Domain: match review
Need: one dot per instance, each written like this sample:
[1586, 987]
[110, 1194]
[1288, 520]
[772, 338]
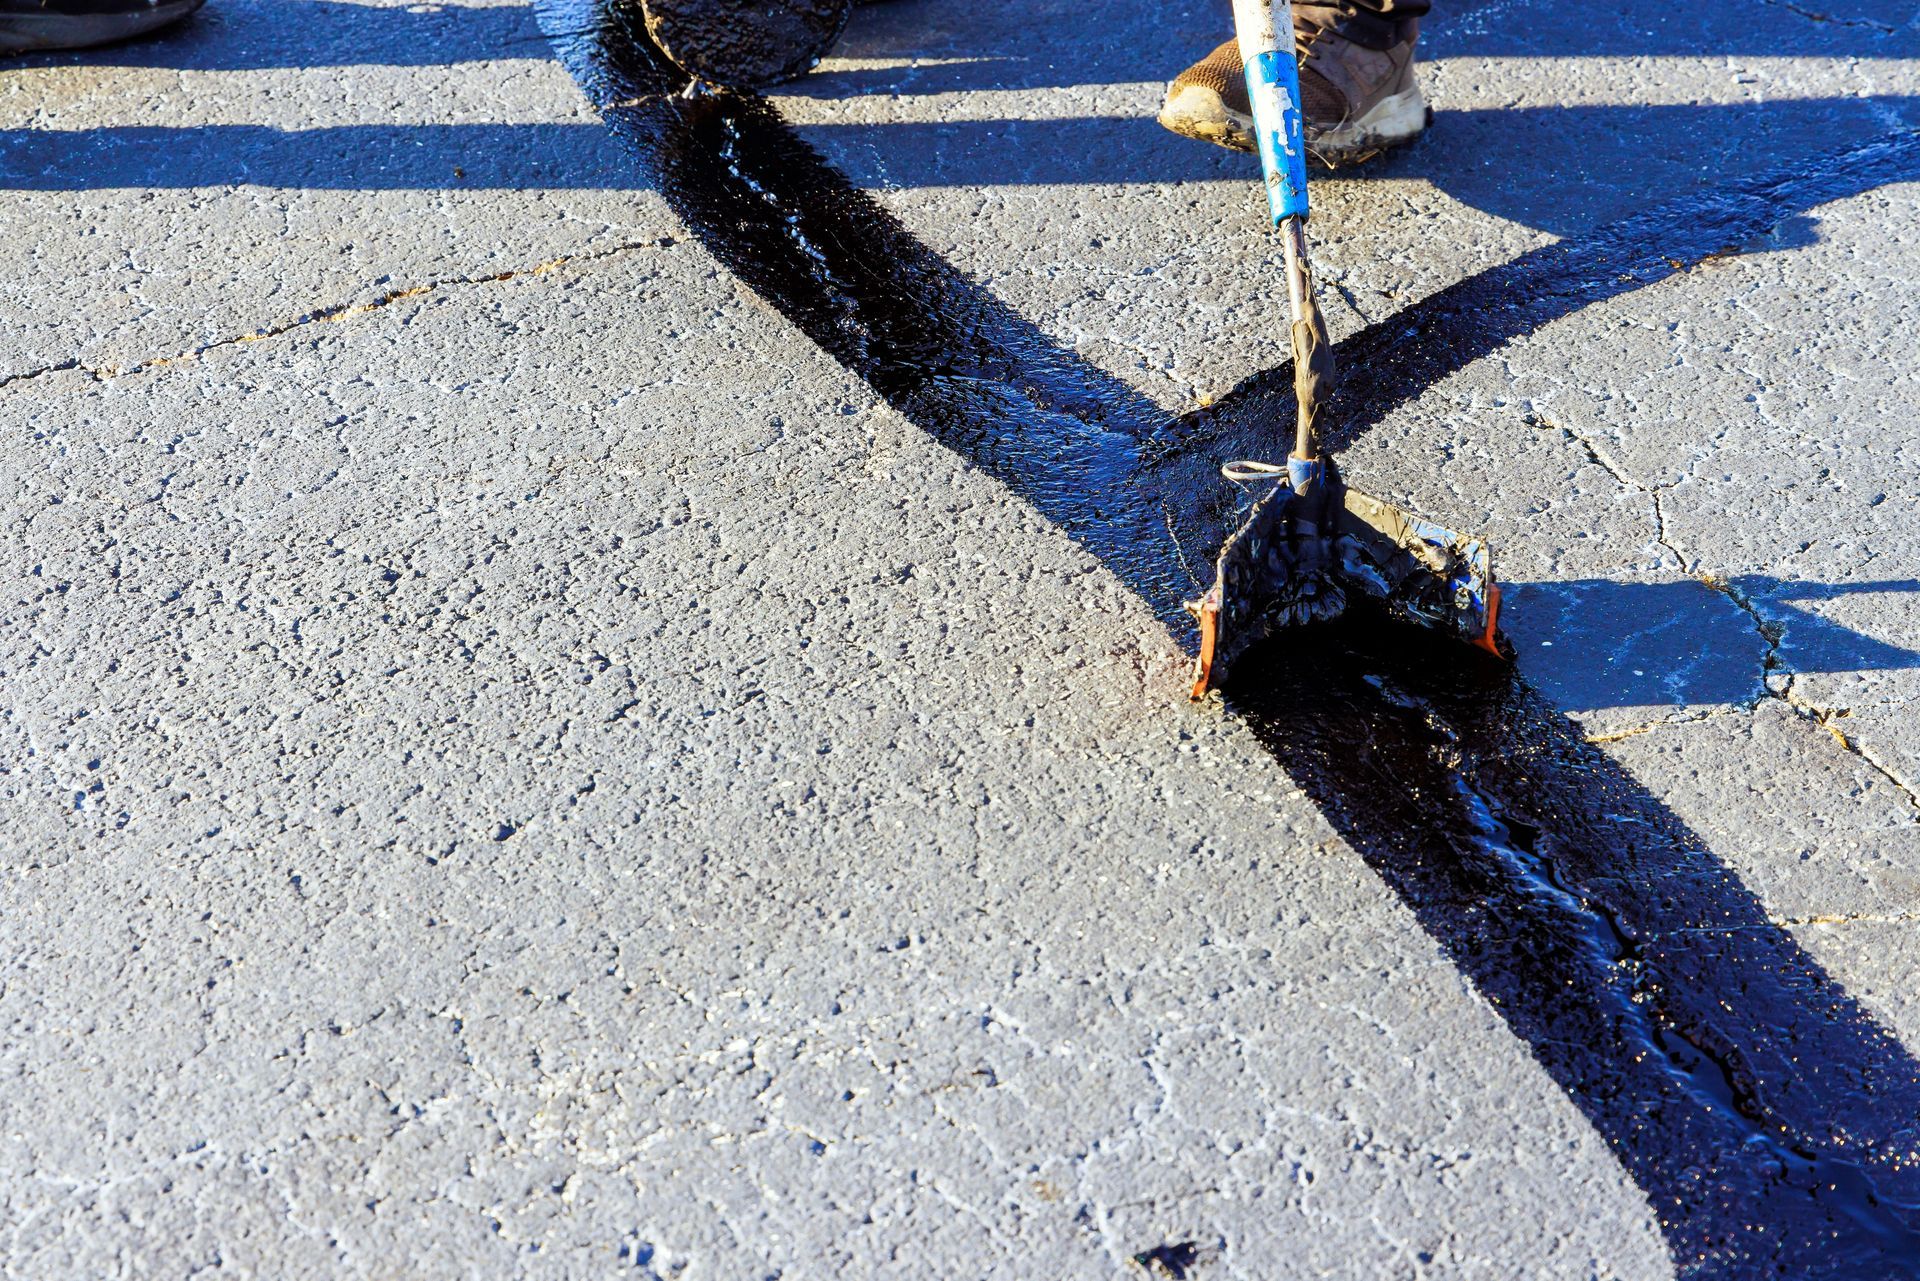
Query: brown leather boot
[1356, 83]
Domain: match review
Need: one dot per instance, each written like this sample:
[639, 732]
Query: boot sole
[1200, 113]
[1395, 120]
[31, 33]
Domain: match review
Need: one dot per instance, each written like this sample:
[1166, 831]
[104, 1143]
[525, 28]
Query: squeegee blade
[1301, 554]
[1431, 573]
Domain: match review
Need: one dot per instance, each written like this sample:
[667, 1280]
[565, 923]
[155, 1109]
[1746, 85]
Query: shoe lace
[1322, 21]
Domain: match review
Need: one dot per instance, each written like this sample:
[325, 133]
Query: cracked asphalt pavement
[516, 760]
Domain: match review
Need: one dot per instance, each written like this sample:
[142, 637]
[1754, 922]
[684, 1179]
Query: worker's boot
[29, 25]
[1356, 83]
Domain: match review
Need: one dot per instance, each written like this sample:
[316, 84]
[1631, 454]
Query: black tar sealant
[1772, 1124]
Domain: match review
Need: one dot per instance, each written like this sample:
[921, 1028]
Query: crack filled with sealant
[1180, 552]
[331, 314]
[1772, 1124]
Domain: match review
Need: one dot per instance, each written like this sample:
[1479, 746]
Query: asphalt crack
[1814, 15]
[1665, 722]
[1507, 900]
[1180, 551]
[1782, 691]
[1849, 918]
[1625, 479]
[337, 312]
[1776, 682]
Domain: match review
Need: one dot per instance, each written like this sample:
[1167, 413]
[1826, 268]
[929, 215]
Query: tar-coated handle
[1265, 32]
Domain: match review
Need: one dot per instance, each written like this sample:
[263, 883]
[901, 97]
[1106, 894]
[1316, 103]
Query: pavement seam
[337, 312]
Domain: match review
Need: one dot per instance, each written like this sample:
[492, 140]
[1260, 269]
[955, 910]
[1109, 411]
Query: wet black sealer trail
[1773, 1126]
[1770, 1122]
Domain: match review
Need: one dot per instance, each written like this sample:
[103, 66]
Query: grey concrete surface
[514, 763]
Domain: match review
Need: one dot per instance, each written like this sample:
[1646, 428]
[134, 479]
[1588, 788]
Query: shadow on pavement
[1560, 170]
[342, 158]
[251, 35]
[1016, 47]
[1411, 350]
[261, 35]
[1690, 643]
[1769, 1120]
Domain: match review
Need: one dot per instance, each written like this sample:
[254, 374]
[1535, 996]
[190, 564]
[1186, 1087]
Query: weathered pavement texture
[518, 764]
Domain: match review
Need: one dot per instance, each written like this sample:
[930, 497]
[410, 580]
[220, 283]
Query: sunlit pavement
[518, 763]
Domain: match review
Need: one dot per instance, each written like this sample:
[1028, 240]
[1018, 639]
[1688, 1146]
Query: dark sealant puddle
[1772, 1124]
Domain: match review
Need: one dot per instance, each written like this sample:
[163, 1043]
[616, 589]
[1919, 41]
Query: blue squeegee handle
[1265, 32]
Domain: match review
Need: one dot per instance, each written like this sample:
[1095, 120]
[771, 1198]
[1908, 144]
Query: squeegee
[1308, 540]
